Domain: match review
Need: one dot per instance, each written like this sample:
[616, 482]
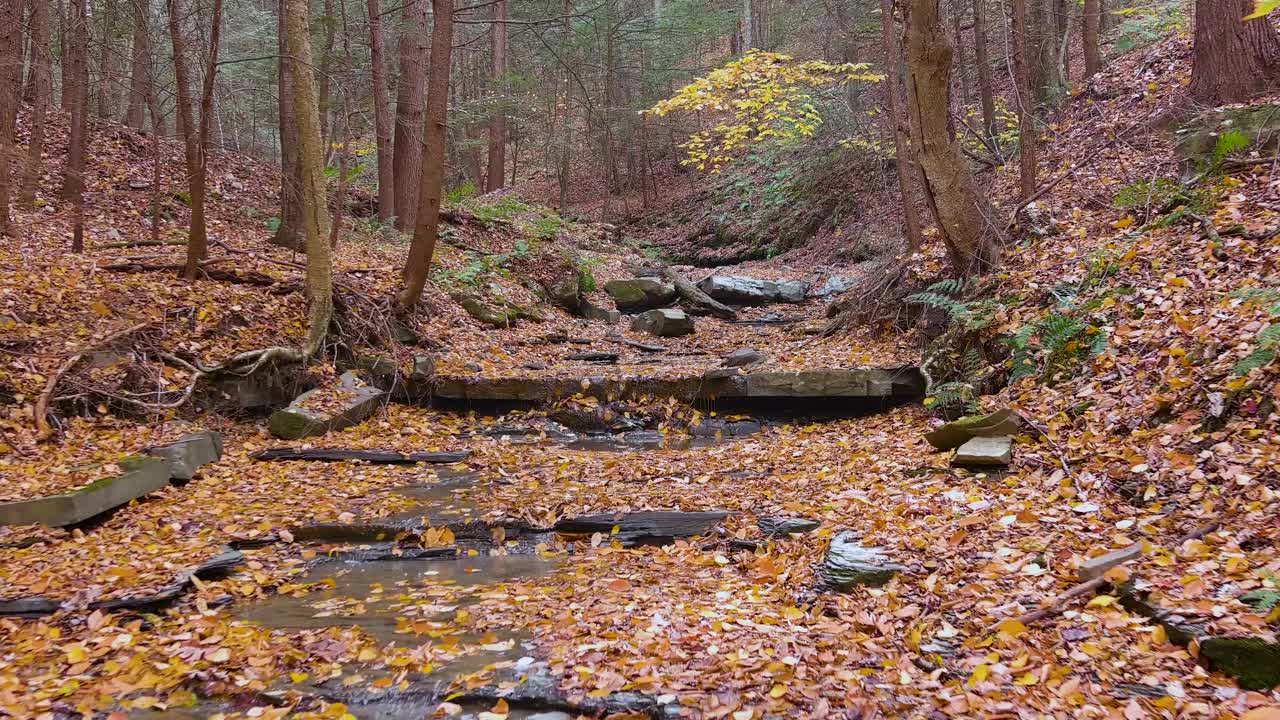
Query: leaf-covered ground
[1157, 435]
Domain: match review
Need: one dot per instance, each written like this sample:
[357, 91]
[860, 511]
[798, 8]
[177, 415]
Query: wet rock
[663, 323]
[770, 525]
[141, 475]
[355, 405]
[957, 432]
[851, 382]
[984, 452]
[596, 357]
[736, 290]
[189, 452]
[638, 294]
[742, 357]
[711, 427]
[848, 565]
[375, 457]
[643, 527]
[654, 440]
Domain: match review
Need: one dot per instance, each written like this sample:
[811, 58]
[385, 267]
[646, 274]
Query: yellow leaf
[1270, 712]
[777, 691]
[1102, 601]
[1159, 636]
[298, 676]
[1011, 627]
[1027, 678]
[980, 673]
[100, 308]
[75, 653]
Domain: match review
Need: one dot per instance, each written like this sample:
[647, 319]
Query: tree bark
[107, 63]
[76, 70]
[410, 114]
[495, 178]
[905, 161]
[311, 193]
[195, 137]
[289, 232]
[1233, 59]
[326, 62]
[982, 59]
[140, 72]
[1026, 121]
[10, 96]
[1092, 55]
[382, 120]
[427, 230]
[962, 213]
[42, 80]
[748, 34]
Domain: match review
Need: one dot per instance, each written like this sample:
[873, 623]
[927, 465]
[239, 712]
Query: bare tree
[1234, 59]
[427, 230]
[382, 120]
[42, 91]
[311, 193]
[10, 96]
[496, 176]
[1026, 103]
[140, 71]
[960, 210]
[1092, 23]
[76, 72]
[982, 59]
[905, 163]
[289, 231]
[411, 92]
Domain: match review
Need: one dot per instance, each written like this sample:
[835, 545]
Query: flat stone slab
[643, 527]
[984, 452]
[849, 564]
[736, 290]
[1098, 566]
[297, 421]
[777, 525]
[958, 432]
[189, 452]
[141, 475]
[904, 382]
[664, 322]
[375, 457]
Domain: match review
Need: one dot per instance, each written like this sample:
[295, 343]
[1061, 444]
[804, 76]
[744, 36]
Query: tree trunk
[427, 230]
[983, 60]
[905, 162]
[1092, 55]
[748, 34]
[1026, 121]
[195, 137]
[496, 176]
[42, 72]
[76, 70]
[1233, 59]
[962, 213]
[957, 22]
[311, 193]
[410, 114]
[382, 120]
[10, 96]
[289, 232]
[326, 62]
[67, 95]
[140, 72]
[107, 63]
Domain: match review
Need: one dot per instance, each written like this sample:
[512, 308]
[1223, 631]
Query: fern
[953, 398]
[971, 315]
[1229, 142]
[1267, 339]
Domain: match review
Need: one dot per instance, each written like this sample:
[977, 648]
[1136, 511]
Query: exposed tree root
[698, 300]
[43, 430]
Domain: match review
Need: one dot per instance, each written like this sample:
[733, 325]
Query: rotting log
[696, 299]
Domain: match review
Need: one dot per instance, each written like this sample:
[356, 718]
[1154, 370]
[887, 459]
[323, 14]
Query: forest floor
[1150, 439]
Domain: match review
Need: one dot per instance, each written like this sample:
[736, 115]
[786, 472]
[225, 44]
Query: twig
[43, 429]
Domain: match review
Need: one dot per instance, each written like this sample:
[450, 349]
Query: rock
[834, 285]
[188, 453]
[422, 377]
[643, 527]
[592, 312]
[352, 405]
[711, 427]
[984, 452]
[786, 525]
[141, 475]
[639, 294]
[596, 357]
[841, 382]
[1098, 566]
[1258, 126]
[742, 357]
[848, 565]
[139, 185]
[565, 291]
[736, 290]
[663, 323]
[958, 432]
[375, 457]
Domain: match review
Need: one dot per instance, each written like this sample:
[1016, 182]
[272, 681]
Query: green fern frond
[1256, 359]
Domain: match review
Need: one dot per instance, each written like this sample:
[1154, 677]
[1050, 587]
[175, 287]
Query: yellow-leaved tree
[761, 96]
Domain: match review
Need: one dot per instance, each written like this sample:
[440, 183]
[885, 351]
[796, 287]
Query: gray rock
[786, 525]
[737, 290]
[296, 421]
[647, 526]
[141, 475]
[1098, 566]
[840, 382]
[742, 357]
[665, 322]
[640, 293]
[592, 312]
[188, 453]
[984, 452]
[958, 432]
[848, 565]
[834, 285]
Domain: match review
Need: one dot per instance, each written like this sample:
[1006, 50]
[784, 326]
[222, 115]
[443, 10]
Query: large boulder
[637, 294]
[1217, 134]
[849, 564]
[664, 322]
[736, 290]
[326, 409]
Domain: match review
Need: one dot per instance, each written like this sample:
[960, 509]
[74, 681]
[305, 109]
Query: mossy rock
[1198, 140]
[958, 432]
[1253, 662]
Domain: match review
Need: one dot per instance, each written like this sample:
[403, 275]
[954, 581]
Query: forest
[639, 359]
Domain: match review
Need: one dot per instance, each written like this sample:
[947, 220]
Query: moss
[1253, 662]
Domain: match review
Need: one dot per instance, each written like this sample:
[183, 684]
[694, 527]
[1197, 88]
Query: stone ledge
[142, 475]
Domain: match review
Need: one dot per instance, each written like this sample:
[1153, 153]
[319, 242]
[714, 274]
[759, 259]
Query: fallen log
[376, 457]
[696, 299]
[250, 277]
